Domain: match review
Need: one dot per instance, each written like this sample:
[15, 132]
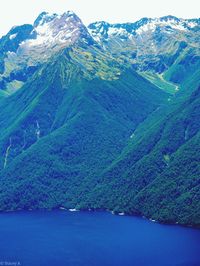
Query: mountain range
[104, 116]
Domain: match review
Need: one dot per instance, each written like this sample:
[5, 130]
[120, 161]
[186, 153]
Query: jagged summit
[54, 29]
[102, 28]
[46, 17]
[169, 17]
[135, 43]
[43, 18]
[31, 45]
[51, 30]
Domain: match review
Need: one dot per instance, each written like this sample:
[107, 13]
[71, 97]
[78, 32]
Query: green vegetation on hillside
[63, 129]
[102, 124]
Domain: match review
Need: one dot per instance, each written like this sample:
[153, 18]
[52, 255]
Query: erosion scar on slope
[7, 153]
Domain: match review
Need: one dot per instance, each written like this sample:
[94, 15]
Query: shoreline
[175, 223]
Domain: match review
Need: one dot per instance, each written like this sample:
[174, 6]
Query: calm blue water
[94, 238]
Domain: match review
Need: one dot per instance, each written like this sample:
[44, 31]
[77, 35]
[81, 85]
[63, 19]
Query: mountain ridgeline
[102, 117]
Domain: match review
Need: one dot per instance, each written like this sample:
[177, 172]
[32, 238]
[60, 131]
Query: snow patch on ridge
[154, 23]
[13, 36]
[192, 24]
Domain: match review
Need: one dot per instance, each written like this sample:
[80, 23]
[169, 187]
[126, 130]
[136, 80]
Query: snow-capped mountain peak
[101, 30]
[49, 34]
[30, 45]
[169, 21]
[54, 29]
[46, 17]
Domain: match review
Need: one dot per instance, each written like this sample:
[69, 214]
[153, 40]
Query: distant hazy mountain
[104, 116]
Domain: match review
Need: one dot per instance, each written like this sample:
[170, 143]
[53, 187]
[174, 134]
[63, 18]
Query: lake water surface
[63, 238]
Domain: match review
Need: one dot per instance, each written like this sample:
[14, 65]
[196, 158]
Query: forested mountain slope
[102, 117]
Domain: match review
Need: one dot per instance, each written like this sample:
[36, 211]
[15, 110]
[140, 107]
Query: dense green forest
[101, 123]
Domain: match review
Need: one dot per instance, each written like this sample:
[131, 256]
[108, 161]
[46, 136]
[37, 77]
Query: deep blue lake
[94, 238]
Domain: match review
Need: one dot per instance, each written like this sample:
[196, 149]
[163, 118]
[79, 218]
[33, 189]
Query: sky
[18, 12]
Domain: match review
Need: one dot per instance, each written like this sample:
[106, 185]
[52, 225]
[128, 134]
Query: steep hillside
[104, 116]
[65, 126]
[157, 174]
